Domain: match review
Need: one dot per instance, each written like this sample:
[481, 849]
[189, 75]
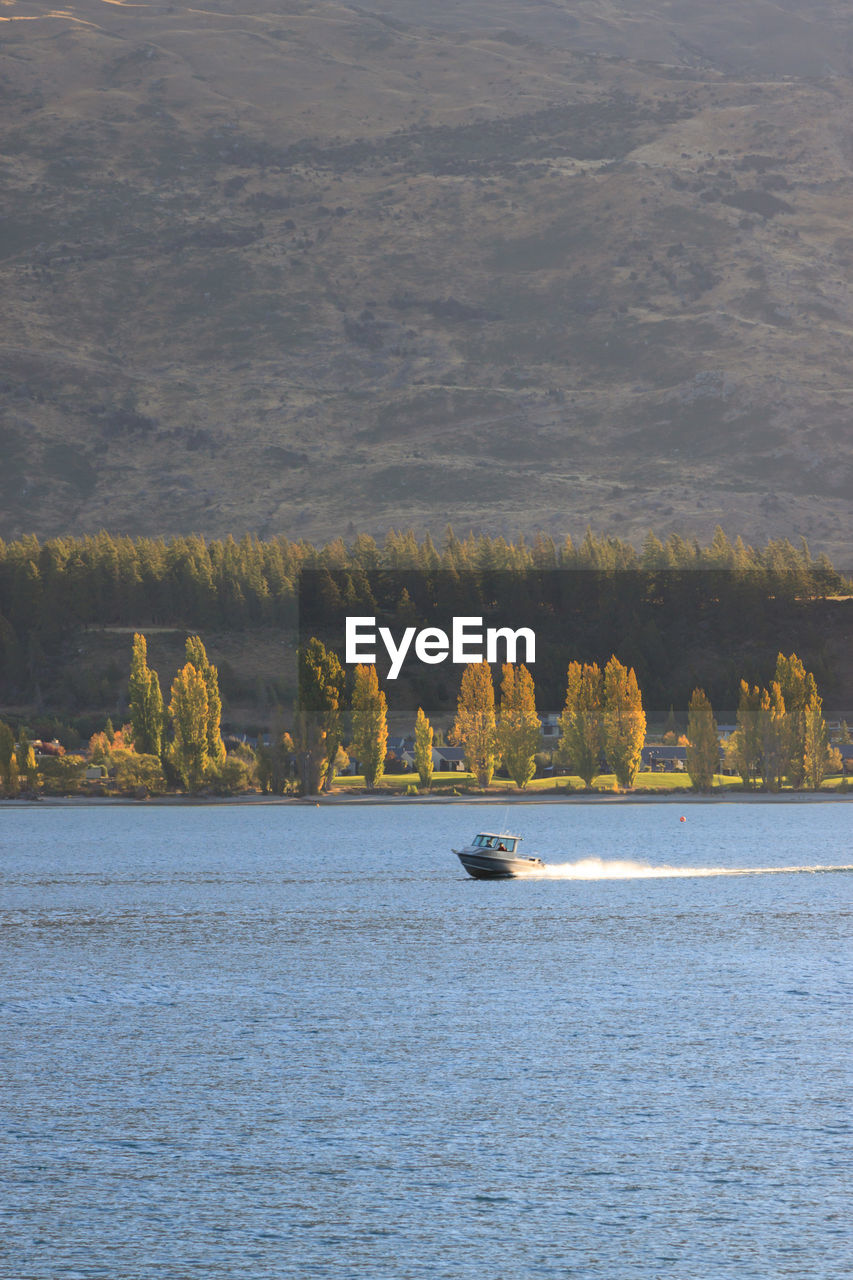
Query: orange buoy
[682, 818]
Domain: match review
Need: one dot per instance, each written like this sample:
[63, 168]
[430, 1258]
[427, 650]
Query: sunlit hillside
[306, 267]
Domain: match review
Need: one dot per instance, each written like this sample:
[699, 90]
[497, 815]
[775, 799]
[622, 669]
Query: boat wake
[602, 869]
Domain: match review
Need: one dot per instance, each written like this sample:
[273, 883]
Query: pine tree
[474, 726]
[189, 712]
[703, 750]
[406, 613]
[318, 713]
[624, 722]
[197, 655]
[369, 725]
[146, 702]
[519, 730]
[423, 749]
[653, 552]
[580, 722]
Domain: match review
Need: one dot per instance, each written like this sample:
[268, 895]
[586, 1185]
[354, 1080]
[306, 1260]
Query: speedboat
[492, 855]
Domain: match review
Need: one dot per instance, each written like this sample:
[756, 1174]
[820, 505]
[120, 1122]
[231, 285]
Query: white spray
[601, 869]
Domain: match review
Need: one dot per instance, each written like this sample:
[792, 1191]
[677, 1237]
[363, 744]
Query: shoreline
[321, 801]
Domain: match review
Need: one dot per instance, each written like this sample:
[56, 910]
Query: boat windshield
[501, 844]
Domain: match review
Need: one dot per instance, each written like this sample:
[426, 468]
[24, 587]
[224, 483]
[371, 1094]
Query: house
[444, 759]
[657, 757]
[448, 759]
[550, 722]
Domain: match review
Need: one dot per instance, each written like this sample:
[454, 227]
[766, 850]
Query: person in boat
[501, 847]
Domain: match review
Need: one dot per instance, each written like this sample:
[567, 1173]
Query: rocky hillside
[303, 267]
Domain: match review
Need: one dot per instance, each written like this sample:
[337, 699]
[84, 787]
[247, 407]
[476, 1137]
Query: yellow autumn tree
[7, 756]
[773, 736]
[623, 722]
[369, 724]
[423, 748]
[580, 722]
[26, 761]
[319, 714]
[796, 686]
[188, 709]
[475, 726]
[744, 751]
[519, 730]
[145, 701]
[197, 655]
[703, 742]
[817, 754]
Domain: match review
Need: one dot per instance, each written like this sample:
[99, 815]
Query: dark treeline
[49, 589]
[677, 629]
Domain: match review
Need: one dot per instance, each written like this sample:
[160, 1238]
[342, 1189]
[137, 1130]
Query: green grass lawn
[400, 782]
[397, 783]
[448, 783]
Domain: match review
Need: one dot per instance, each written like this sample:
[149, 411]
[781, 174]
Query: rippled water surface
[282, 1041]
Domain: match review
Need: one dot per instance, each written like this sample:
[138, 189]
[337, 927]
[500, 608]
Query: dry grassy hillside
[752, 37]
[306, 268]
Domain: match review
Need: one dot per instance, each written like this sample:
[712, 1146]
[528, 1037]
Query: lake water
[282, 1041]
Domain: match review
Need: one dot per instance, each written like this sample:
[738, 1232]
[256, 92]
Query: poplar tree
[519, 730]
[189, 713]
[7, 753]
[197, 655]
[773, 736]
[797, 687]
[747, 740]
[623, 721]
[423, 748]
[580, 722]
[369, 724]
[146, 701]
[26, 761]
[816, 753]
[474, 726]
[703, 743]
[318, 713]
[273, 763]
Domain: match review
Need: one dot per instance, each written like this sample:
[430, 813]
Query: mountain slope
[308, 268]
